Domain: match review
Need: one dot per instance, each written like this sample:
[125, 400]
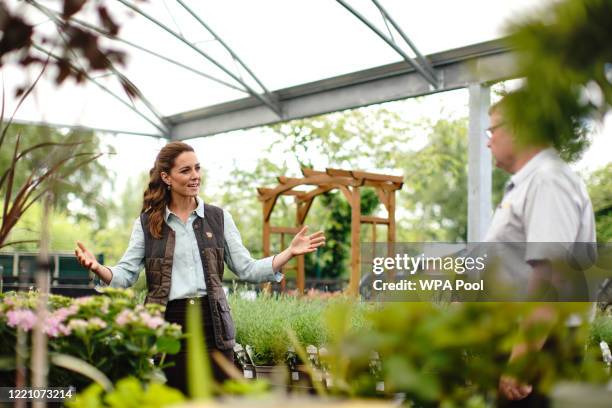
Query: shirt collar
[199, 210]
[532, 165]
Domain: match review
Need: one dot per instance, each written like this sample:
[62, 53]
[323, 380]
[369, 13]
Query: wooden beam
[302, 210]
[315, 192]
[374, 220]
[307, 172]
[347, 193]
[385, 185]
[383, 196]
[263, 191]
[268, 206]
[339, 173]
[289, 183]
[378, 177]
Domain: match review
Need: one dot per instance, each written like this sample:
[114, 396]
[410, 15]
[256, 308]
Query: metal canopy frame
[485, 62]
[473, 67]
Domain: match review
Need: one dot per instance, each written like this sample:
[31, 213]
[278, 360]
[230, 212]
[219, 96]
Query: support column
[300, 270]
[266, 287]
[355, 242]
[479, 164]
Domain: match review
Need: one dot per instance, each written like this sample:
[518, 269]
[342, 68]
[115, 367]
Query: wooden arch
[347, 181]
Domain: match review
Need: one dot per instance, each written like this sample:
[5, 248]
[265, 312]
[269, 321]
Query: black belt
[185, 301]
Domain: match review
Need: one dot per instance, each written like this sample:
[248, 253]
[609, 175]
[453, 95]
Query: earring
[169, 187]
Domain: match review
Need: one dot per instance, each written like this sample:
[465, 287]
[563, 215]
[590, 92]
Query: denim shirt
[187, 270]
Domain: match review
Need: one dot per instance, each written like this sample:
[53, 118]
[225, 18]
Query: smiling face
[184, 177]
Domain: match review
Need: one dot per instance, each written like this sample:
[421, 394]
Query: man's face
[501, 143]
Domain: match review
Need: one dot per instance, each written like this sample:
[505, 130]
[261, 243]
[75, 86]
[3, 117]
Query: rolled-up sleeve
[239, 260]
[125, 273]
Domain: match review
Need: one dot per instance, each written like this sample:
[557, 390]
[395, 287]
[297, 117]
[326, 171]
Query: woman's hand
[512, 389]
[300, 245]
[89, 261]
[86, 258]
[304, 244]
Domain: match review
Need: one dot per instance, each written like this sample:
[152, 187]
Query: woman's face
[184, 177]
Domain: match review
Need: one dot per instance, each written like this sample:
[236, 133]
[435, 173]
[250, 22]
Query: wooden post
[266, 233]
[355, 242]
[374, 232]
[266, 240]
[391, 226]
[302, 211]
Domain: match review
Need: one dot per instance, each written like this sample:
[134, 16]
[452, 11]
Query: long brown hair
[157, 195]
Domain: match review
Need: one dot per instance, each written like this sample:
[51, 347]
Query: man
[544, 202]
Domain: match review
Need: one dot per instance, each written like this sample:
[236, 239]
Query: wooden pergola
[348, 182]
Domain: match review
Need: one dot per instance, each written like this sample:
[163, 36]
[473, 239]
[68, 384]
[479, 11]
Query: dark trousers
[177, 374]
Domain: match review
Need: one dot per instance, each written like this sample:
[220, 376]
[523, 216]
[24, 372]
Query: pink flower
[125, 317]
[153, 322]
[64, 312]
[54, 327]
[22, 318]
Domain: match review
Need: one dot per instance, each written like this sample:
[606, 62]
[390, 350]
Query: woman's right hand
[86, 258]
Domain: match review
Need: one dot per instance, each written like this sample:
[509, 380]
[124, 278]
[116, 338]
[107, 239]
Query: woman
[183, 244]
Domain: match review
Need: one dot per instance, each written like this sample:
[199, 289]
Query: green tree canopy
[76, 187]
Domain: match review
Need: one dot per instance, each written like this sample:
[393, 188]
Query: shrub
[263, 322]
[112, 332]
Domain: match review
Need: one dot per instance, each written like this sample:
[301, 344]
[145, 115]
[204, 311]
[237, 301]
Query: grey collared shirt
[545, 201]
[547, 208]
[187, 270]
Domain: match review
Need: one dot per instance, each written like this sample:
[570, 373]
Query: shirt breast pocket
[501, 222]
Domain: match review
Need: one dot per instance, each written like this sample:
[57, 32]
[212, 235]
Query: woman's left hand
[304, 244]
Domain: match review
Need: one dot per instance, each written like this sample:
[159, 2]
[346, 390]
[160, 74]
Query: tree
[333, 258]
[36, 161]
[77, 191]
[564, 54]
[435, 194]
[600, 189]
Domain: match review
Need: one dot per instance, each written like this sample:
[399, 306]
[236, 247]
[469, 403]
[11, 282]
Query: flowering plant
[111, 332]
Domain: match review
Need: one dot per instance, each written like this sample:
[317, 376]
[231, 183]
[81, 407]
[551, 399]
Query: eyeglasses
[489, 131]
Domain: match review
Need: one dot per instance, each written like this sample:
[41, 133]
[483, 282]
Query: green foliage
[564, 52]
[333, 258]
[263, 322]
[76, 187]
[63, 231]
[601, 330]
[431, 206]
[447, 355]
[600, 189]
[436, 186]
[112, 240]
[128, 393]
[111, 332]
